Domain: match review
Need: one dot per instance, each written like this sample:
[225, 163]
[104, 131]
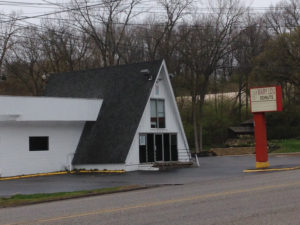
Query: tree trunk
[200, 116]
[240, 98]
[247, 95]
[195, 123]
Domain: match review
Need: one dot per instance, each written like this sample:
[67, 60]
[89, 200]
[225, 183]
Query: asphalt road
[221, 195]
[211, 168]
[264, 199]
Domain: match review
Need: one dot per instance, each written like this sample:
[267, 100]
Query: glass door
[159, 147]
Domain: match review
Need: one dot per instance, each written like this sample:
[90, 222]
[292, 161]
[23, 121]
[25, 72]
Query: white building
[136, 125]
[40, 134]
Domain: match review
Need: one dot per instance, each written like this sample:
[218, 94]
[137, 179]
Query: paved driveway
[211, 168]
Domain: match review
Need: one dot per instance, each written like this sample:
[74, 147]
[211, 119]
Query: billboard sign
[266, 99]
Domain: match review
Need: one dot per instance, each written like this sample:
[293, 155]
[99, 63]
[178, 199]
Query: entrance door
[174, 150]
[150, 147]
[158, 147]
[143, 148]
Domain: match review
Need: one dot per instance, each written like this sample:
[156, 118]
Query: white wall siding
[15, 157]
[20, 108]
[172, 122]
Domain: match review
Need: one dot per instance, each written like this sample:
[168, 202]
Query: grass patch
[19, 199]
[287, 145]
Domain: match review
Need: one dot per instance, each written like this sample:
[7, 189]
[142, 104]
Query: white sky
[6, 7]
[261, 3]
[29, 10]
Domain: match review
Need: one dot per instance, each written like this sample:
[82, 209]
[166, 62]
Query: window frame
[33, 146]
[157, 121]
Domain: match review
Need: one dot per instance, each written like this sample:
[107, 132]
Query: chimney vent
[147, 73]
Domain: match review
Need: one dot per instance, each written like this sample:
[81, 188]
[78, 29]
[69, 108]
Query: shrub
[285, 124]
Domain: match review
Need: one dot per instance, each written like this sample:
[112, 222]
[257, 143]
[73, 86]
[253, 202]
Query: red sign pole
[260, 133]
[263, 99]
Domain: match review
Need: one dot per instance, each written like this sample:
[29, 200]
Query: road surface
[211, 168]
[261, 198]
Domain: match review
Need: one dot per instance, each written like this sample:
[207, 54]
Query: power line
[138, 25]
[146, 10]
[22, 3]
[57, 12]
[141, 25]
[48, 3]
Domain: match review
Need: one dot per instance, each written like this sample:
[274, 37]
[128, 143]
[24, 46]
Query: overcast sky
[35, 9]
[261, 3]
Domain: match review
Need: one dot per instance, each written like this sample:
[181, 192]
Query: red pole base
[260, 133]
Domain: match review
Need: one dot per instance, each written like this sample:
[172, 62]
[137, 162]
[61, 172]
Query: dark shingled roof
[248, 123]
[242, 130]
[124, 90]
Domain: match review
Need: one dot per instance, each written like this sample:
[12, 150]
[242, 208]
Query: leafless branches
[7, 30]
[106, 24]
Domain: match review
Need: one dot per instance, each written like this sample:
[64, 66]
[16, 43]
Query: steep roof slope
[124, 90]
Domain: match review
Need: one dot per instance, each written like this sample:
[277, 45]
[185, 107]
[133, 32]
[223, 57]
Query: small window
[157, 113]
[142, 139]
[157, 89]
[38, 143]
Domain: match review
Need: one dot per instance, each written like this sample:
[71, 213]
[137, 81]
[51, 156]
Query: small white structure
[40, 134]
[138, 124]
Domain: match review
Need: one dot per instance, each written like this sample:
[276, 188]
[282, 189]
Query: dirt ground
[234, 151]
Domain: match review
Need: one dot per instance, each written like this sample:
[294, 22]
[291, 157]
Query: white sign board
[263, 99]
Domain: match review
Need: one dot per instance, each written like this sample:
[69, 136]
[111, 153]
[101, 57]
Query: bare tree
[7, 30]
[27, 64]
[160, 36]
[283, 17]
[207, 42]
[291, 14]
[64, 47]
[106, 23]
[134, 50]
[249, 44]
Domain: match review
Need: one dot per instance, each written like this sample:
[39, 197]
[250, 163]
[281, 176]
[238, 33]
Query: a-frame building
[139, 122]
[114, 118]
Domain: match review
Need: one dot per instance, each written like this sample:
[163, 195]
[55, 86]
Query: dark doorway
[150, 147]
[143, 148]
[167, 149]
[158, 147]
[174, 152]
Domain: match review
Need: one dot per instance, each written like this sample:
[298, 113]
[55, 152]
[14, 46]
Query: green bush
[285, 124]
[217, 117]
[216, 120]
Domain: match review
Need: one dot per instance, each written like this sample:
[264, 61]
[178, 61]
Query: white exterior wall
[21, 108]
[15, 157]
[173, 125]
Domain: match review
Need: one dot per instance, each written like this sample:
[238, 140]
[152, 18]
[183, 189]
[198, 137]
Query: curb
[127, 189]
[287, 154]
[271, 169]
[60, 173]
[270, 154]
